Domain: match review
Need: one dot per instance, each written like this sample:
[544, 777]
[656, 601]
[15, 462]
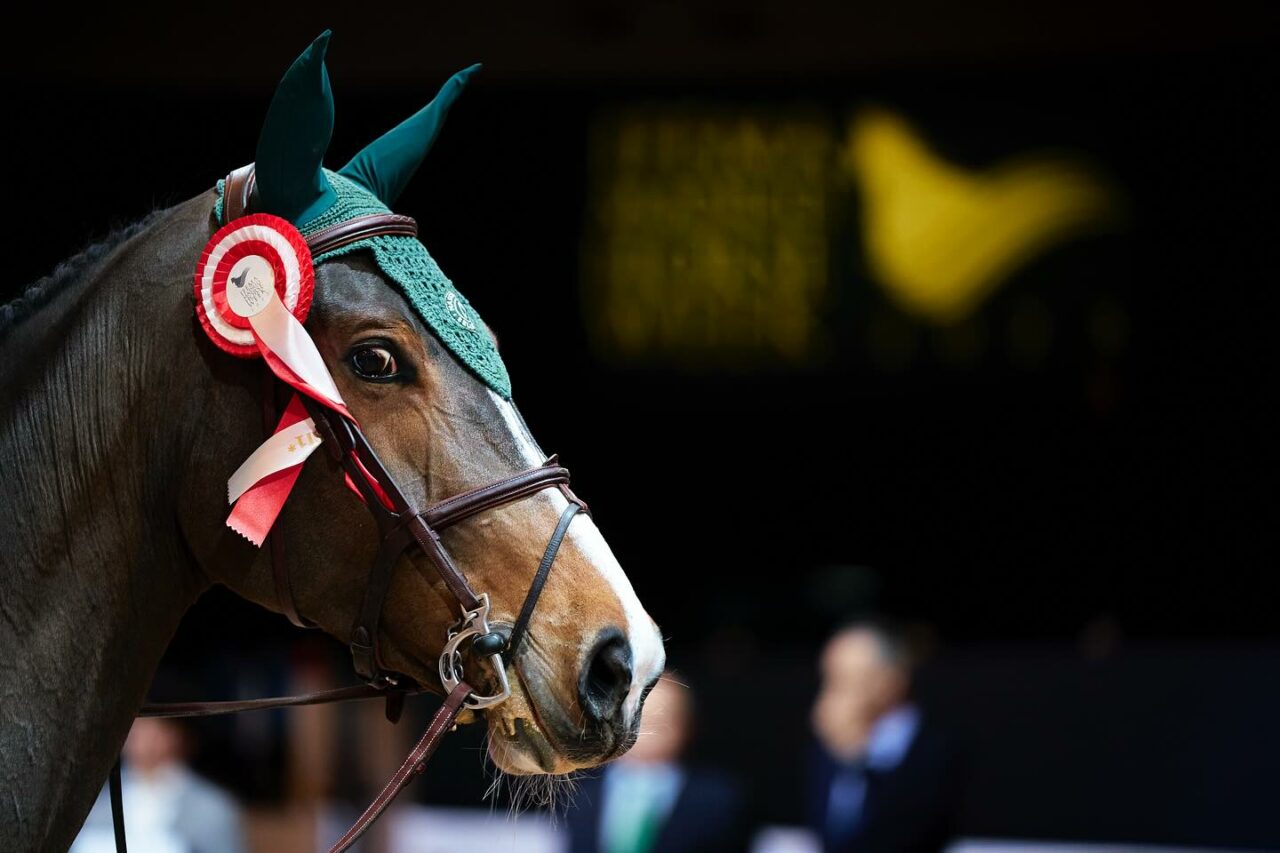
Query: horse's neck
[94, 578]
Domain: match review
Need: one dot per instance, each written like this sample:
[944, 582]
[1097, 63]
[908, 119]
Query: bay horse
[120, 423]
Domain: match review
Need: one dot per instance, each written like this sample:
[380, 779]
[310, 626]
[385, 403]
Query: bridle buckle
[475, 623]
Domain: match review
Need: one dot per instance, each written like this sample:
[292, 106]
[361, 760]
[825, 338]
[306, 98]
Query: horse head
[421, 374]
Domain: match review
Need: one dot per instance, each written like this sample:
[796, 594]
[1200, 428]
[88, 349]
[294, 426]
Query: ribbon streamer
[263, 482]
[292, 355]
[284, 449]
[259, 504]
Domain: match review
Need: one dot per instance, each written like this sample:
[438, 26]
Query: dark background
[1089, 545]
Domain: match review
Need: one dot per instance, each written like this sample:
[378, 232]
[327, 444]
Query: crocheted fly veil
[293, 184]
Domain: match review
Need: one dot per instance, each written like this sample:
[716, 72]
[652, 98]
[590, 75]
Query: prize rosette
[253, 287]
[241, 265]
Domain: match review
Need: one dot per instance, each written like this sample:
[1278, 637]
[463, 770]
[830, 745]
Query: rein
[401, 527]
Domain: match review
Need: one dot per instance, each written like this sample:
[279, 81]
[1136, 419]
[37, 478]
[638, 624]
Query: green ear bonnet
[293, 184]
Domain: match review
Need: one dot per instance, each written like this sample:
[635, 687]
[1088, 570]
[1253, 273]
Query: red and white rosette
[253, 289]
[274, 255]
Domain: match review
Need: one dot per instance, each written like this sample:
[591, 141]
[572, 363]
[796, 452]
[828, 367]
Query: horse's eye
[374, 362]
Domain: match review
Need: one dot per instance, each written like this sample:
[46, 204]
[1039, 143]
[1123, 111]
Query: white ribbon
[285, 336]
[291, 446]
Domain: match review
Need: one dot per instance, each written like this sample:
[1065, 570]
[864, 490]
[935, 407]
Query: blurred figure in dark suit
[649, 800]
[884, 778]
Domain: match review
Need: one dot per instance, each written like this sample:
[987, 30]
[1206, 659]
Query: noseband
[402, 527]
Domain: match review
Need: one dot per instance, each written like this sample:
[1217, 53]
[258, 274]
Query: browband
[239, 193]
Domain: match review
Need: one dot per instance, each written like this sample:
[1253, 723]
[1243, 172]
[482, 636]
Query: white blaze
[647, 655]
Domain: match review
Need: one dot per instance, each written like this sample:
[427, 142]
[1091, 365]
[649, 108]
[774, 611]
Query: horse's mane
[66, 273]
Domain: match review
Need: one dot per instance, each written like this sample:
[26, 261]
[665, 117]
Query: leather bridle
[401, 527]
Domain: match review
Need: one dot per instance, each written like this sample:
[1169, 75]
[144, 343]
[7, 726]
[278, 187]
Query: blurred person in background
[884, 778]
[167, 807]
[650, 799]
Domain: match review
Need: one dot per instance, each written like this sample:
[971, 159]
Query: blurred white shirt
[169, 811]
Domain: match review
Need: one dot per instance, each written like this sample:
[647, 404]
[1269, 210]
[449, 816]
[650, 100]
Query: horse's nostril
[606, 677]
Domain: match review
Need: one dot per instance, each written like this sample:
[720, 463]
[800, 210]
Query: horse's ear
[385, 166]
[295, 137]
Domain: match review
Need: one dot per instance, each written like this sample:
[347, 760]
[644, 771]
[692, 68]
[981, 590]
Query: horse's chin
[518, 742]
[527, 753]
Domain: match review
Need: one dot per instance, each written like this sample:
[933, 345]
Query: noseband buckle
[475, 623]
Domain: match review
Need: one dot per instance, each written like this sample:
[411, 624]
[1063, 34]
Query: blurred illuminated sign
[710, 234]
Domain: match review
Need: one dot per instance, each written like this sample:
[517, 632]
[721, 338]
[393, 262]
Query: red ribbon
[257, 509]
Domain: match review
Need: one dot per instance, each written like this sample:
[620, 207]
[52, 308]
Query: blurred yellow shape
[940, 239]
[707, 236]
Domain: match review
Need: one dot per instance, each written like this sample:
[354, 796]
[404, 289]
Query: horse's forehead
[354, 283]
[352, 295]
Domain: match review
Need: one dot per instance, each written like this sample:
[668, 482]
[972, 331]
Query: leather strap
[369, 225]
[238, 199]
[459, 507]
[539, 580]
[237, 193]
[365, 657]
[320, 697]
[413, 765]
[117, 807]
